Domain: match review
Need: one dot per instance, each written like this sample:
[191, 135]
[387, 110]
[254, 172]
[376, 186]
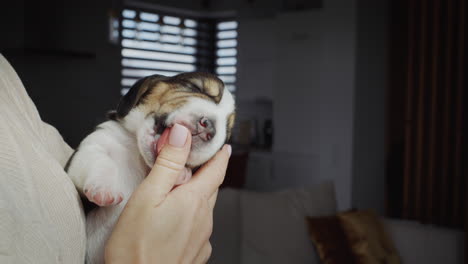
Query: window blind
[167, 44]
[226, 53]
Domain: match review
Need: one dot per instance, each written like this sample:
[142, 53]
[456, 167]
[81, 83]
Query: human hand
[163, 226]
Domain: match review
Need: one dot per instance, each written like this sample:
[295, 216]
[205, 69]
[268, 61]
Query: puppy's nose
[206, 129]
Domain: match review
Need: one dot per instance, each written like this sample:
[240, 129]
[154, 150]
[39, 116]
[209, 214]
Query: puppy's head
[195, 100]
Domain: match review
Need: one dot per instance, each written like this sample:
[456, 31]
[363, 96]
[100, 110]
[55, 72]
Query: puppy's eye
[203, 122]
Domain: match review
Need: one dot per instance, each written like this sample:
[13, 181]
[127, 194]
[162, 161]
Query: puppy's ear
[230, 124]
[205, 82]
[137, 92]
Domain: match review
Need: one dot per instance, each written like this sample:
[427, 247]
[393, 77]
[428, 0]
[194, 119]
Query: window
[226, 53]
[166, 44]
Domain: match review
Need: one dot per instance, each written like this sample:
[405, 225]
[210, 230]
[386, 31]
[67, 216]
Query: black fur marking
[160, 123]
[134, 95]
[112, 115]
[67, 166]
[129, 100]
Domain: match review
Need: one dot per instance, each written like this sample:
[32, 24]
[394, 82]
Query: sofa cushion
[356, 236]
[225, 239]
[273, 224]
[418, 243]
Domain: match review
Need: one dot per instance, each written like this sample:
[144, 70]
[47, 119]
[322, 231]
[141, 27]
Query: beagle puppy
[112, 161]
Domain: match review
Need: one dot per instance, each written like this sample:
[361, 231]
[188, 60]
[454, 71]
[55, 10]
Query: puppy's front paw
[102, 196]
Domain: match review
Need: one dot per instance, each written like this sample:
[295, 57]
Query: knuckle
[158, 196]
[210, 229]
[220, 180]
[169, 163]
[216, 175]
[208, 251]
[220, 173]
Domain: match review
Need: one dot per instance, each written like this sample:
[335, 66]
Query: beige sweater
[41, 218]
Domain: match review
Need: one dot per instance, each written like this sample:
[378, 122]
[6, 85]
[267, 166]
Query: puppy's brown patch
[205, 83]
[230, 125]
[166, 97]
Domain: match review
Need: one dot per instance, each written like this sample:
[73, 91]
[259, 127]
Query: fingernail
[178, 136]
[229, 149]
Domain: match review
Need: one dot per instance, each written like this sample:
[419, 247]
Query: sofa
[270, 227]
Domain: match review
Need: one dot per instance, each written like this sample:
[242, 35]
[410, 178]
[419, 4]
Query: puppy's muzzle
[201, 128]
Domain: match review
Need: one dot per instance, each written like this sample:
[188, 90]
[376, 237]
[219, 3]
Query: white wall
[310, 62]
[256, 58]
[323, 80]
[296, 105]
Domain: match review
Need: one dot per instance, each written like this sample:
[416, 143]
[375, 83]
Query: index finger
[211, 175]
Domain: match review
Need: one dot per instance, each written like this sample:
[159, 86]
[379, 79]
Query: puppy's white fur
[117, 157]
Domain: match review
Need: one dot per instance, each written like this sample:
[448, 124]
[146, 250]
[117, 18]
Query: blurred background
[368, 95]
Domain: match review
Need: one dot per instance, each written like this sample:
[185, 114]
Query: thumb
[169, 162]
